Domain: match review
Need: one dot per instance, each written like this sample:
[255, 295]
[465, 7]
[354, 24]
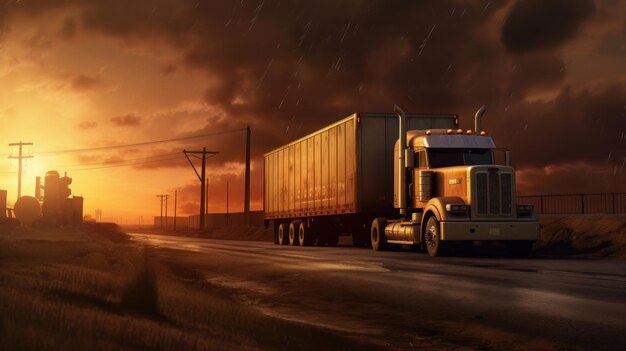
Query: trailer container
[341, 172]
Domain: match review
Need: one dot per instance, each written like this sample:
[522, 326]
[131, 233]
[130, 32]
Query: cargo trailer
[337, 179]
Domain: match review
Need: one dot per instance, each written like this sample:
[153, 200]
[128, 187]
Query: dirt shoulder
[584, 235]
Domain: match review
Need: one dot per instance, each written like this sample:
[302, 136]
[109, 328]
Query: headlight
[525, 209]
[456, 208]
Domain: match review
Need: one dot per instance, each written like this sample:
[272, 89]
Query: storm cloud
[287, 68]
[129, 120]
[538, 24]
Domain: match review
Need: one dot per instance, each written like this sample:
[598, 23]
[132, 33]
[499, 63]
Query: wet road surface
[408, 300]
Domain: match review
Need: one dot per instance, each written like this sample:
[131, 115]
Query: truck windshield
[440, 157]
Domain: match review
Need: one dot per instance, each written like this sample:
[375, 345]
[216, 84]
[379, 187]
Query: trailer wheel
[305, 236]
[378, 238]
[282, 234]
[293, 228]
[432, 238]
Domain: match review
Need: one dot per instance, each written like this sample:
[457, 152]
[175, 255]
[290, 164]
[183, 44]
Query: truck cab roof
[443, 138]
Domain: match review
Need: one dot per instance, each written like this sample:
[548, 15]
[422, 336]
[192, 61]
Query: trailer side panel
[344, 168]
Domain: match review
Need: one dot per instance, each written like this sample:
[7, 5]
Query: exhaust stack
[478, 119]
[401, 160]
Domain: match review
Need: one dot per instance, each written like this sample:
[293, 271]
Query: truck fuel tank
[403, 232]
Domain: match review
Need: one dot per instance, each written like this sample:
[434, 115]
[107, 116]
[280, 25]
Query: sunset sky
[93, 73]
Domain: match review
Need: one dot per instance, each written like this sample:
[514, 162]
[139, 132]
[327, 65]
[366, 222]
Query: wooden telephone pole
[246, 200]
[175, 205]
[19, 167]
[201, 177]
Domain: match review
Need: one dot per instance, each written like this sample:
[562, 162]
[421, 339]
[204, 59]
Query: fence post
[582, 203]
[613, 195]
[541, 198]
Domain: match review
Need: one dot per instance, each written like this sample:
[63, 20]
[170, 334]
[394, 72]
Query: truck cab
[455, 194]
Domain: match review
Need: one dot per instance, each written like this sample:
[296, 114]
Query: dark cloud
[587, 125]
[288, 68]
[83, 82]
[540, 24]
[129, 120]
[568, 178]
[613, 43]
[169, 68]
[68, 28]
[87, 125]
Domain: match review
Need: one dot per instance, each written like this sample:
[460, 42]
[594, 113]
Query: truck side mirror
[507, 157]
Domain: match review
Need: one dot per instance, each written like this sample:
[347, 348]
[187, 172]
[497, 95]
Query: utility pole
[206, 201]
[175, 206]
[201, 177]
[166, 197]
[19, 170]
[246, 200]
[161, 196]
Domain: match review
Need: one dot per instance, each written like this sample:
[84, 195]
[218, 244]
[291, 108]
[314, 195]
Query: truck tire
[377, 234]
[305, 235]
[519, 249]
[293, 233]
[432, 238]
[282, 234]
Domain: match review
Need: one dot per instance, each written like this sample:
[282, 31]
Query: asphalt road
[408, 300]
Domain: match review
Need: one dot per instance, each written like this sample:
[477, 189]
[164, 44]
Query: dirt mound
[592, 235]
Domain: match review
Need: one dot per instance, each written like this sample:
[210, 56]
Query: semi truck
[392, 179]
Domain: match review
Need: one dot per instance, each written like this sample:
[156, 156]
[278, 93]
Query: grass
[88, 289]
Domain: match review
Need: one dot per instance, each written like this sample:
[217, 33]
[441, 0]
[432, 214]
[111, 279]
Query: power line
[124, 165]
[137, 144]
[119, 161]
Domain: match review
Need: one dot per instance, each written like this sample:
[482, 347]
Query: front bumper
[490, 230]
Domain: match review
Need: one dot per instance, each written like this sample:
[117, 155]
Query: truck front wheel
[432, 238]
[378, 238]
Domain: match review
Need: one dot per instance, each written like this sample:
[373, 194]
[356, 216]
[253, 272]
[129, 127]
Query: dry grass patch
[84, 291]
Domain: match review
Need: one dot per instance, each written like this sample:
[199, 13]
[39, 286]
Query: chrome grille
[481, 190]
[494, 193]
[507, 193]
